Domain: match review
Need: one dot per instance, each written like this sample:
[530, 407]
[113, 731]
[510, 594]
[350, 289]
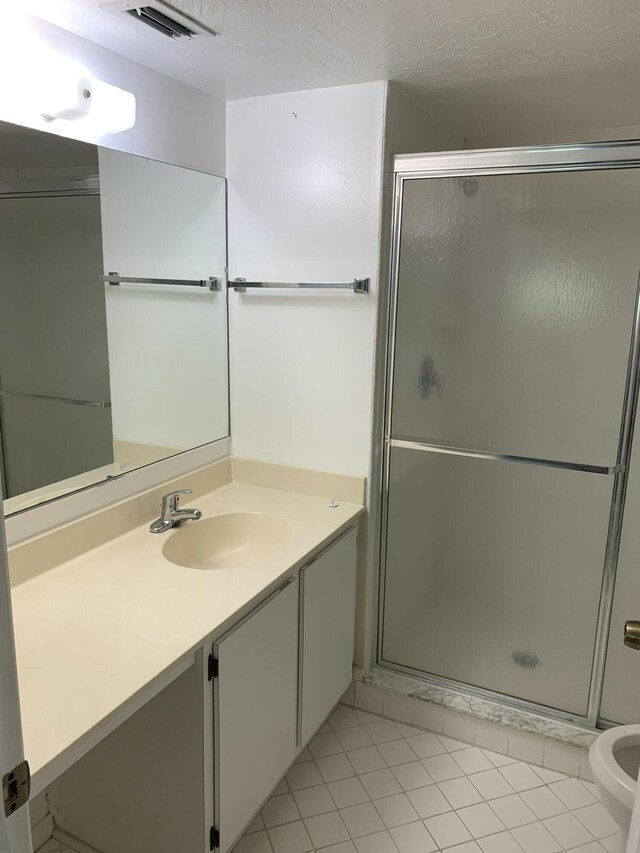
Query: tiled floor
[369, 785]
[53, 846]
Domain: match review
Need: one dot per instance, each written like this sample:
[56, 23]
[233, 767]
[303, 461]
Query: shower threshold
[504, 711]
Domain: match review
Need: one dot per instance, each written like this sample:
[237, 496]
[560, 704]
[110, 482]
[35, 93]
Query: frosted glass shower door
[515, 308]
[494, 572]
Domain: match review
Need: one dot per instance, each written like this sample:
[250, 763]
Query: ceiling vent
[161, 17]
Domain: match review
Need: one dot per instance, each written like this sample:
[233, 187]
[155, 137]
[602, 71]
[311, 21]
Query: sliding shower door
[515, 298]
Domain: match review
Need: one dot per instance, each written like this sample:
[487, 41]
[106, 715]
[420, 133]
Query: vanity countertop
[93, 633]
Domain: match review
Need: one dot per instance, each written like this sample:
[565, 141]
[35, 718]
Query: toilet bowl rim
[606, 769]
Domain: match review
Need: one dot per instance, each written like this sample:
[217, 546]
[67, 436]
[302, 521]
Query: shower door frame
[510, 161]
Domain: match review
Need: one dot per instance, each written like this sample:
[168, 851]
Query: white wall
[304, 172]
[175, 123]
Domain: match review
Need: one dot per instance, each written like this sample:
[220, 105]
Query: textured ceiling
[517, 65]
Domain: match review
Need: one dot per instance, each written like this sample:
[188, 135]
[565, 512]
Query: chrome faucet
[172, 515]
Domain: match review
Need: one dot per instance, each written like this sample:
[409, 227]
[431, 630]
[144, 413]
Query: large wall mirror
[98, 378]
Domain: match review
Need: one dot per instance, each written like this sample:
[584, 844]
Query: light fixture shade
[113, 110]
[63, 90]
[46, 89]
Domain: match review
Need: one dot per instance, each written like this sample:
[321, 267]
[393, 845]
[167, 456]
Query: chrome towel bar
[47, 398]
[115, 279]
[358, 285]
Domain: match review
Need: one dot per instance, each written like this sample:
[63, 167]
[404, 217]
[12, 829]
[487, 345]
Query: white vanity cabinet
[327, 622]
[255, 698]
[279, 673]
[190, 768]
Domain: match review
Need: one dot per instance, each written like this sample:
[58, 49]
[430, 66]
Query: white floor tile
[411, 776]
[314, 801]
[257, 842]
[406, 730]
[512, 811]
[460, 793]
[343, 718]
[396, 752]
[614, 843]
[256, 824]
[536, 838]
[573, 793]
[452, 745]
[568, 830]
[366, 716]
[366, 759]
[491, 784]
[549, 776]
[413, 838]
[543, 802]
[442, 767]
[383, 731]
[354, 737]
[429, 801]
[447, 829]
[279, 810]
[503, 842]
[597, 820]
[361, 820]
[303, 776]
[591, 787]
[348, 792]
[333, 767]
[325, 744]
[367, 784]
[381, 842]
[290, 838]
[426, 745]
[498, 759]
[395, 810]
[480, 820]
[472, 760]
[327, 829]
[520, 776]
[380, 783]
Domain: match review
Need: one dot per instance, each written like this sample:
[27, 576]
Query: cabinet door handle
[632, 634]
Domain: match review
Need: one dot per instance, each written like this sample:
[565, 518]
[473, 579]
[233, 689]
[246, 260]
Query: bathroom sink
[227, 541]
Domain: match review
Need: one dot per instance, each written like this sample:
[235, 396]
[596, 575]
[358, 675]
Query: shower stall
[511, 390]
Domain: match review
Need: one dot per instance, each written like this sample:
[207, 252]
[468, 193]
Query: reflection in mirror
[97, 379]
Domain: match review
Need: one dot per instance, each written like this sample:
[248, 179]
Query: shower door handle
[632, 634]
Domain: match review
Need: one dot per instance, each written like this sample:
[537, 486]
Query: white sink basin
[227, 541]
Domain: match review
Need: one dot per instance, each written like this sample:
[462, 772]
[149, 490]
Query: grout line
[584, 792]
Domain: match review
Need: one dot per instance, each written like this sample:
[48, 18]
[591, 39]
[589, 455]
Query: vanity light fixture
[48, 87]
[68, 92]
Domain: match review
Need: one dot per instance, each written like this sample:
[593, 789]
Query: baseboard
[73, 843]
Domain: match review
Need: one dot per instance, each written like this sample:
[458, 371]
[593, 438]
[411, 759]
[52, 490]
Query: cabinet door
[255, 701]
[327, 610]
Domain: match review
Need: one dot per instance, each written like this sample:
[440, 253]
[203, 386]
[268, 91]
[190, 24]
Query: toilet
[614, 758]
